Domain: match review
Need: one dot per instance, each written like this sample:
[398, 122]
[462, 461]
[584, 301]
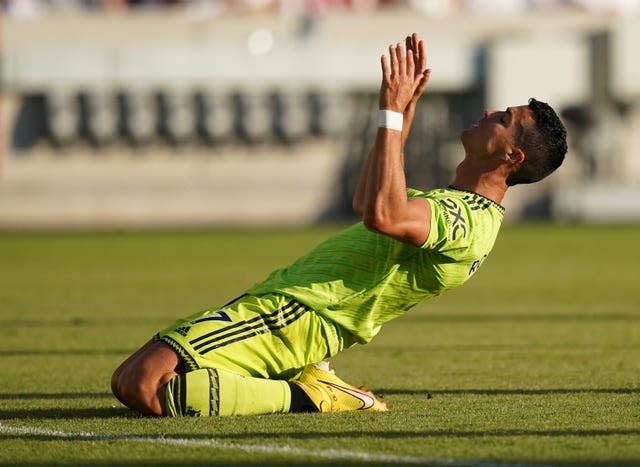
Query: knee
[139, 383]
[115, 384]
[137, 390]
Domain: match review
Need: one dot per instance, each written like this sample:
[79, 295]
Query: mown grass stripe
[327, 454]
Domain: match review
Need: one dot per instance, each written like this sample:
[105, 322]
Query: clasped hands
[404, 74]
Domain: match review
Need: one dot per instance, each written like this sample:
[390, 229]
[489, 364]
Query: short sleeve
[413, 193]
[449, 229]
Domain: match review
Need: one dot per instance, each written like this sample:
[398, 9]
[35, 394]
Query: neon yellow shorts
[271, 336]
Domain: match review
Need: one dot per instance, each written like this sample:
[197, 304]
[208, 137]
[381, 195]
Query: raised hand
[404, 74]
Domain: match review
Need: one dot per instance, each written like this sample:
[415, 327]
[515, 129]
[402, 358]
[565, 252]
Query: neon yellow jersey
[360, 279]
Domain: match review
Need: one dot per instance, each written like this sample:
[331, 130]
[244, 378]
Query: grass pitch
[536, 360]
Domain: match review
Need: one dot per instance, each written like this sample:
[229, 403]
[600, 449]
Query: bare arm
[416, 45]
[381, 194]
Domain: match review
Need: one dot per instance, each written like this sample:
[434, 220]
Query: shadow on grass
[510, 347]
[428, 434]
[504, 392]
[65, 352]
[66, 413]
[73, 323]
[153, 323]
[62, 413]
[54, 395]
[251, 437]
[498, 318]
[354, 435]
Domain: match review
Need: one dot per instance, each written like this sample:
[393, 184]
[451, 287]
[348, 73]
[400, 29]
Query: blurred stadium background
[260, 112]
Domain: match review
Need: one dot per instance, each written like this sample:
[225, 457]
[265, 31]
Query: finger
[411, 66]
[386, 71]
[402, 59]
[422, 54]
[414, 41]
[408, 43]
[422, 85]
[394, 60]
[425, 79]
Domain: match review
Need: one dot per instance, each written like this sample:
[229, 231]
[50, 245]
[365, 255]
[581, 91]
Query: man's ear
[515, 157]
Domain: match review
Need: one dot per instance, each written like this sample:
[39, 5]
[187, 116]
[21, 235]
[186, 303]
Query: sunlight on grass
[535, 360]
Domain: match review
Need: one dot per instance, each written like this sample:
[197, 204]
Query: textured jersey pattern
[360, 279]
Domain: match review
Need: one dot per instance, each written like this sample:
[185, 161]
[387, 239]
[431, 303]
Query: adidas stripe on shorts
[271, 336]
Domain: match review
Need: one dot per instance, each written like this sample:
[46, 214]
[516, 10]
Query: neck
[488, 184]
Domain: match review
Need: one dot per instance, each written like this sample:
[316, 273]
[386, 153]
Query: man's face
[495, 133]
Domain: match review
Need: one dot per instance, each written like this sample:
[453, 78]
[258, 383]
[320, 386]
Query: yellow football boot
[330, 394]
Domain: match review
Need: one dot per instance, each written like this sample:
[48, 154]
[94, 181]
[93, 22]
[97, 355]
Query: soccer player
[258, 354]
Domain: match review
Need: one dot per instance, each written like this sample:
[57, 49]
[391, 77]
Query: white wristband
[390, 119]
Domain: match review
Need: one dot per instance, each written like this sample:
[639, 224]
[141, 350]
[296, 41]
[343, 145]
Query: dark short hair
[544, 145]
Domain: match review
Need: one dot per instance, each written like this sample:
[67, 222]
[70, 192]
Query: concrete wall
[505, 59]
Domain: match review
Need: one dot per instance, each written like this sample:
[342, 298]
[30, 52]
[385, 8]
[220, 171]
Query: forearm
[408, 115]
[364, 177]
[381, 192]
[385, 193]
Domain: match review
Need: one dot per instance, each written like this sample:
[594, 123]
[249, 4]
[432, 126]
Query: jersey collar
[498, 206]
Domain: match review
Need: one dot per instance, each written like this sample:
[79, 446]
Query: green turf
[535, 361]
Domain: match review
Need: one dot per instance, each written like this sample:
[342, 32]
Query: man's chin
[465, 139]
[464, 134]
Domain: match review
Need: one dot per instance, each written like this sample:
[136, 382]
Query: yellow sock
[209, 392]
